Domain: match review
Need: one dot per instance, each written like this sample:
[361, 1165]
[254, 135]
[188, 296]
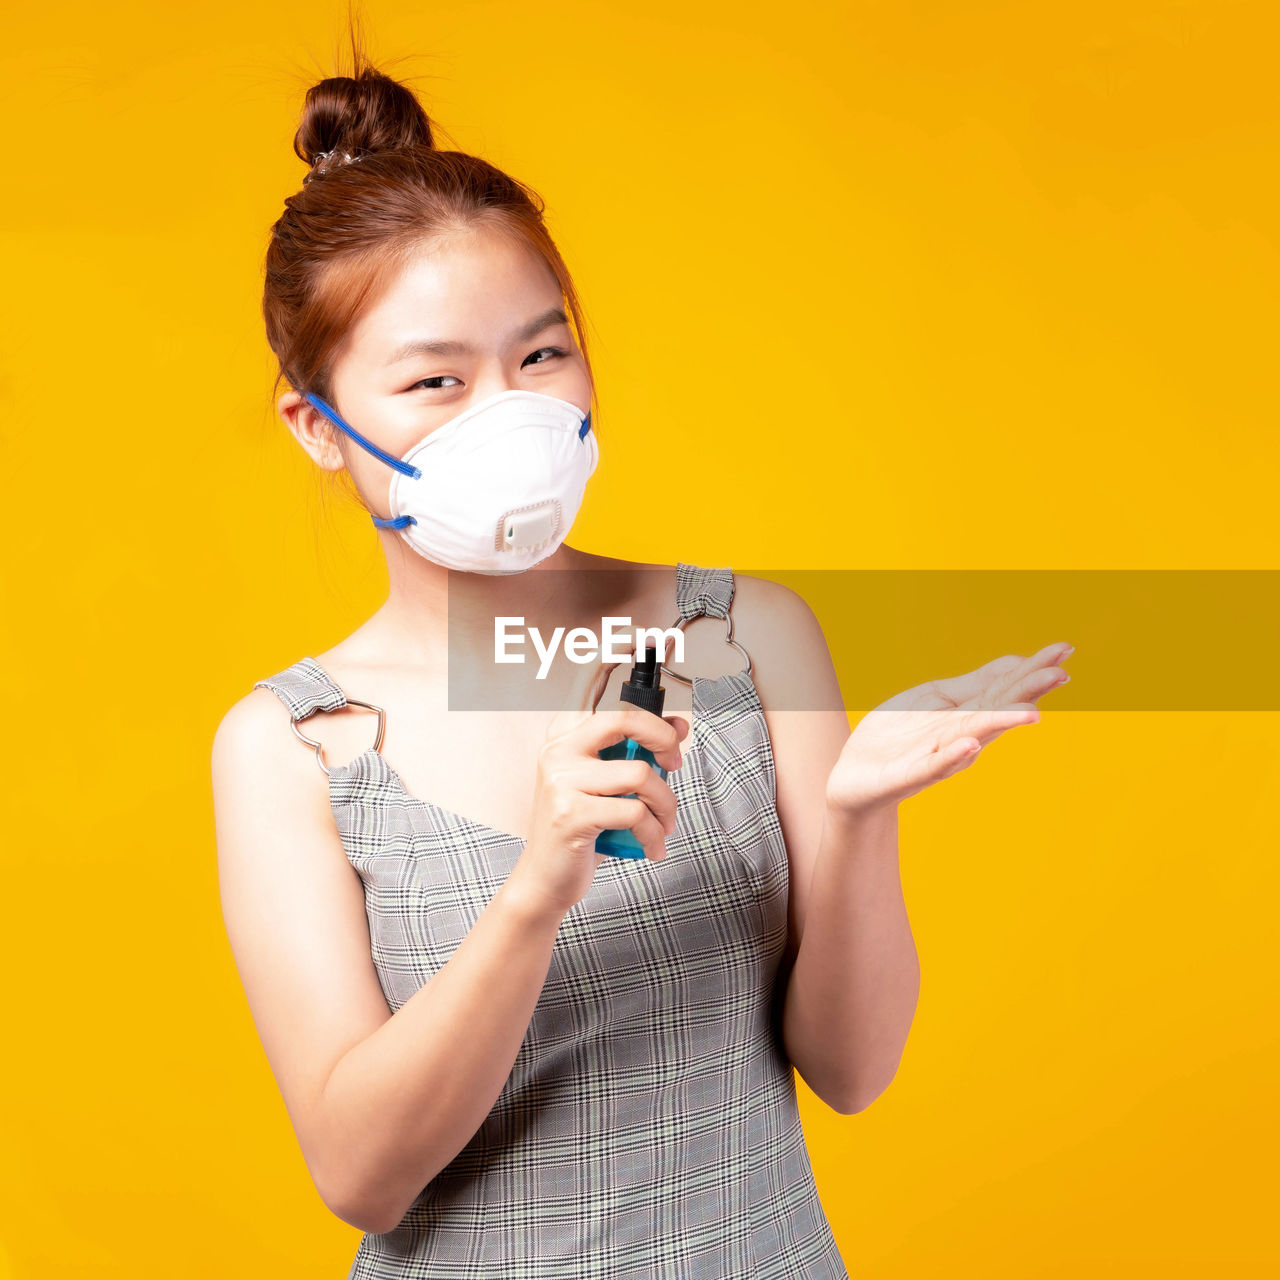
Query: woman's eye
[555, 351]
[433, 384]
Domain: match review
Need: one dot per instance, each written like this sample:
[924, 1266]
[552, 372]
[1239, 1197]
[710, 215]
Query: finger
[932, 766]
[1038, 683]
[657, 795]
[1010, 684]
[994, 680]
[635, 816]
[973, 684]
[958, 755]
[986, 724]
[652, 837]
[605, 728]
[627, 779]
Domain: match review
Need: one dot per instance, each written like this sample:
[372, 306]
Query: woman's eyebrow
[442, 347]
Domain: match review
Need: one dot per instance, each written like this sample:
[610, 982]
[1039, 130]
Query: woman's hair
[354, 225]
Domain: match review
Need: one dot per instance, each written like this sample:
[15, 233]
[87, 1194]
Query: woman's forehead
[472, 295]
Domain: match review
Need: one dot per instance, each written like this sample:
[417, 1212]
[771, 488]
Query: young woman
[502, 1052]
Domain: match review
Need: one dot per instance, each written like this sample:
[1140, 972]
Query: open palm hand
[935, 729]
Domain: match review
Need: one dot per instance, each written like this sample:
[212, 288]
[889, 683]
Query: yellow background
[880, 285]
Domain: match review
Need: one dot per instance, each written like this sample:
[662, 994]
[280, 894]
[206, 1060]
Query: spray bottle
[644, 690]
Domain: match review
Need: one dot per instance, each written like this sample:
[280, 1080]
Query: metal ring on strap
[728, 639]
[351, 702]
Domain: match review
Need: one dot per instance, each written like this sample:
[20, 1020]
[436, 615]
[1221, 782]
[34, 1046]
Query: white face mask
[495, 489]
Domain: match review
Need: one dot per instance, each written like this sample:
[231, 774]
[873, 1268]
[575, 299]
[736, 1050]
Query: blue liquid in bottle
[642, 690]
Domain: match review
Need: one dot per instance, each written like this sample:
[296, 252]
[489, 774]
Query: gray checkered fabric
[649, 1126]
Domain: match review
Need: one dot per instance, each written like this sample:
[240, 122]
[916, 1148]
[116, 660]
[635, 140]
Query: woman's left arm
[850, 976]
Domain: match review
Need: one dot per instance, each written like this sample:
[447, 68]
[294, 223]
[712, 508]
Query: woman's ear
[311, 430]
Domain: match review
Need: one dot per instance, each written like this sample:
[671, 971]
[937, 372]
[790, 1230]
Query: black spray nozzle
[644, 689]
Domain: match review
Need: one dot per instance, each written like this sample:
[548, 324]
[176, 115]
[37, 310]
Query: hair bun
[346, 117]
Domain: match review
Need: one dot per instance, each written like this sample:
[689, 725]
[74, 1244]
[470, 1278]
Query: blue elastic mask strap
[405, 468]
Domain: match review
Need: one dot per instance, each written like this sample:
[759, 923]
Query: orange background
[894, 285]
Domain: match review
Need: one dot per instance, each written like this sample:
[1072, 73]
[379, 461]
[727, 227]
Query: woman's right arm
[382, 1103]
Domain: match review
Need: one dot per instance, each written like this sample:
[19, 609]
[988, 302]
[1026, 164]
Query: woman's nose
[485, 387]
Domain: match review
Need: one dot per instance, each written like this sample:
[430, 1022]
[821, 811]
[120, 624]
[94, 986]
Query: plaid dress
[648, 1129]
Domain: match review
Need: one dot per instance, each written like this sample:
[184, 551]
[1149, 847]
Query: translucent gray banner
[1145, 640]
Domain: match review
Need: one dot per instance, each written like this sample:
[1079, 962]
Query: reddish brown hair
[352, 227]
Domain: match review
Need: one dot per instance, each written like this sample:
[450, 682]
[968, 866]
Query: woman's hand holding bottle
[577, 795]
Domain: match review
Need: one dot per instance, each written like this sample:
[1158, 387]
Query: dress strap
[305, 688]
[699, 591]
[706, 591]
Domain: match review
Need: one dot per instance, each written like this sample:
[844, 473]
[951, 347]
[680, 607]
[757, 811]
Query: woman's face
[491, 312]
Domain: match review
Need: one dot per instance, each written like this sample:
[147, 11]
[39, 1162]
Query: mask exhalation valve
[528, 527]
